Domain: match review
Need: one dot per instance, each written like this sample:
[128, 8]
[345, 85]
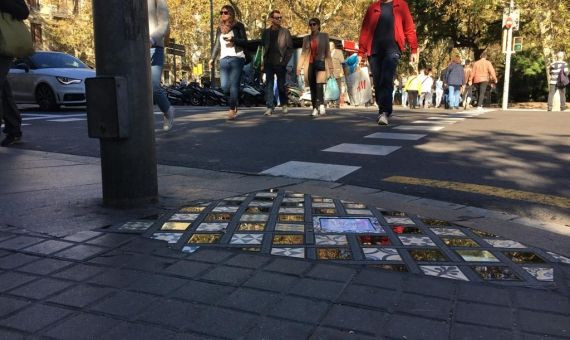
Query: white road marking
[419, 128]
[400, 136]
[363, 149]
[446, 118]
[307, 170]
[66, 120]
[434, 122]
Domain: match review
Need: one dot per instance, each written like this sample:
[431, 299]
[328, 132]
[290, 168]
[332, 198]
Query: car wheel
[195, 101]
[46, 98]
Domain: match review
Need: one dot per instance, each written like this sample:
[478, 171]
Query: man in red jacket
[386, 28]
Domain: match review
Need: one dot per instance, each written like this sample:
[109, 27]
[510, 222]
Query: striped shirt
[555, 69]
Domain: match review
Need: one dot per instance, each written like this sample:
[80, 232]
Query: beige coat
[323, 53]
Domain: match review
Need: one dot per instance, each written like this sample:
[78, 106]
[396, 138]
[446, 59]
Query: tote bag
[15, 38]
[332, 92]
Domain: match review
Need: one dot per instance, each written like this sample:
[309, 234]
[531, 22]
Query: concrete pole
[128, 166]
[508, 61]
[212, 73]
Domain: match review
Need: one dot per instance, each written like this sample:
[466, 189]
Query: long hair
[317, 21]
[227, 26]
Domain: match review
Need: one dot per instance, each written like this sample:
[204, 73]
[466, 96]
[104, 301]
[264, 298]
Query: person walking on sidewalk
[278, 49]
[426, 94]
[413, 88]
[230, 44]
[555, 68]
[316, 64]
[158, 22]
[481, 74]
[9, 113]
[337, 60]
[386, 28]
[454, 78]
[438, 92]
[467, 89]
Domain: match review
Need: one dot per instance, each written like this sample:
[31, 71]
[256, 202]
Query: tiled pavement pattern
[317, 228]
[102, 285]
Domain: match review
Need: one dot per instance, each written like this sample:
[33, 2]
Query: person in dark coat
[454, 78]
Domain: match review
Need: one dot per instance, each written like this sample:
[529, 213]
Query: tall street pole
[212, 75]
[509, 51]
[128, 165]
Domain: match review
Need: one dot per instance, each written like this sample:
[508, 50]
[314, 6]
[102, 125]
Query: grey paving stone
[5, 252]
[150, 263]
[11, 335]
[250, 300]
[82, 236]
[369, 296]
[157, 284]
[45, 266]
[12, 280]
[188, 336]
[356, 319]
[317, 289]
[111, 240]
[127, 330]
[118, 278]
[170, 253]
[411, 327]
[461, 331]
[484, 314]
[48, 247]
[80, 296]
[330, 272]
[324, 333]
[223, 322]
[229, 275]
[484, 294]
[79, 272]
[80, 252]
[379, 278]
[432, 307]
[171, 313]
[34, 318]
[9, 305]
[296, 267]
[187, 268]
[20, 242]
[542, 300]
[268, 328]
[124, 304]
[115, 258]
[271, 281]
[299, 309]
[248, 261]
[211, 256]
[16, 260]
[41, 289]
[82, 326]
[544, 323]
[204, 292]
[430, 286]
[142, 245]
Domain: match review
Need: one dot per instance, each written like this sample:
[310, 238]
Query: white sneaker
[268, 112]
[322, 110]
[315, 113]
[480, 108]
[168, 119]
[285, 109]
[383, 119]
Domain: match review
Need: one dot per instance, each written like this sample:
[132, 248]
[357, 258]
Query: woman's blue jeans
[230, 74]
[156, 65]
[454, 95]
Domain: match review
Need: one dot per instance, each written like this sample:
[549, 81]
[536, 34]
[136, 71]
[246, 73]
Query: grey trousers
[552, 90]
[9, 112]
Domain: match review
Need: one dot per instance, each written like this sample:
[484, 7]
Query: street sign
[511, 18]
[198, 70]
[176, 52]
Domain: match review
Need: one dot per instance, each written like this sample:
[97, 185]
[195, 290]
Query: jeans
[552, 90]
[9, 112]
[317, 90]
[454, 95]
[230, 74]
[156, 66]
[272, 71]
[404, 98]
[482, 89]
[383, 69]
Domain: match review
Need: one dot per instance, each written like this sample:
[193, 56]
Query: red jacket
[404, 28]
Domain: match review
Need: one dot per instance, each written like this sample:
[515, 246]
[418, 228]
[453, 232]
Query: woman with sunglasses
[231, 41]
[316, 64]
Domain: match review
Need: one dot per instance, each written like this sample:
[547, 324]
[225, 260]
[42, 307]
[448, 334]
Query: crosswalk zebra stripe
[308, 170]
[399, 136]
[419, 128]
[363, 149]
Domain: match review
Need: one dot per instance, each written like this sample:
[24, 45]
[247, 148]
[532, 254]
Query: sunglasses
[277, 18]
[313, 24]
[224, 12]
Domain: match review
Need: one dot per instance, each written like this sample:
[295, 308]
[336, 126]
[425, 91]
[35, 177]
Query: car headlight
[68, 81]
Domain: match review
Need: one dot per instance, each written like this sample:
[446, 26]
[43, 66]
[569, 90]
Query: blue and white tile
[559, 258]
[323, 205]
[330, 240]
[291, 210]
[398, 220]
[236, 198]
[247, 239]
[358, 225]
[362, 212]
[136, 226]
[294, 200]
[212, 226]
[168, 237]
[260, 204]
[505, 243]
[290, 252]
[184, 217]
[266, 194]
[448, 272]
[417, 241]
[254, 218]
[381, 254]
[541, 273]
[190, 249]
[447, 232]
[226, 209]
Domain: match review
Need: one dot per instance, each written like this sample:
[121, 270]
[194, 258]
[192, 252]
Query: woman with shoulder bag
[317, 65]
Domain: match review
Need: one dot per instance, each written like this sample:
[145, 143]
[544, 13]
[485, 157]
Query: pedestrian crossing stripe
[363, 149]
[434, 122]
[308, 170]
[419, 128]
[398, 136]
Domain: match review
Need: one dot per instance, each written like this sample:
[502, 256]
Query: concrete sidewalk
[64, 274]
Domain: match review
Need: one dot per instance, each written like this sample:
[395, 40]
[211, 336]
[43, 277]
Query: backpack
[563, 80]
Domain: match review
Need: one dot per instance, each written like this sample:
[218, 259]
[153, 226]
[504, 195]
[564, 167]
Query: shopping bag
[359, 87]
[258, 59]
[332, 92]
[15, 38]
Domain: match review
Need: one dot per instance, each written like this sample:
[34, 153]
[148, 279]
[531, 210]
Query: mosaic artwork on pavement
[296, 225]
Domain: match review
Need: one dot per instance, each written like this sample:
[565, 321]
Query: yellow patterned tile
[175, 226]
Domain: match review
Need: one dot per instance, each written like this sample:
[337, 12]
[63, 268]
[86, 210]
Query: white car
[49, 79]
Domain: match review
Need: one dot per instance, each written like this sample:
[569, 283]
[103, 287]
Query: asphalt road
[478, 160]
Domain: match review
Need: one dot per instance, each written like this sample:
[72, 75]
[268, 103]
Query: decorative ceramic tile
[247, 239]
[399, 220]
[559, 258]
[291, 210]
[265, 199]
[333, 254]
[448, 272]
[266, 194]
[374, 240]
[324, 211]
[252, 249]
[504, 243]
[447, 232]
[359, 225]
[175, 226]
[293, 200]
[209, 226]
[381, 254]
[492, 273]
[225, 209]
[363, 212]
[291, 252]
[236, 198]
[427, 255]
[416, 241]
[353, 205]
[260, 204]
[251, 226]
[292, 205]
[330, 240]
[229, 203]
[254, 217]
[192, 209]
[219, 217]
[523, 257]
[394, 214]
[323, 205]
[477, 256]
[189, 249]
[317, 199]
[184, 217]
[483, 233]
[400, 229]
[288, 239]
[290, 218]
[391, 267]
[205, 238]
[436, 223]
[168, 237]
[290, 227]
[258, 210]
[294, 195]
[460, 242]
[541, 273]
[136, 226]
